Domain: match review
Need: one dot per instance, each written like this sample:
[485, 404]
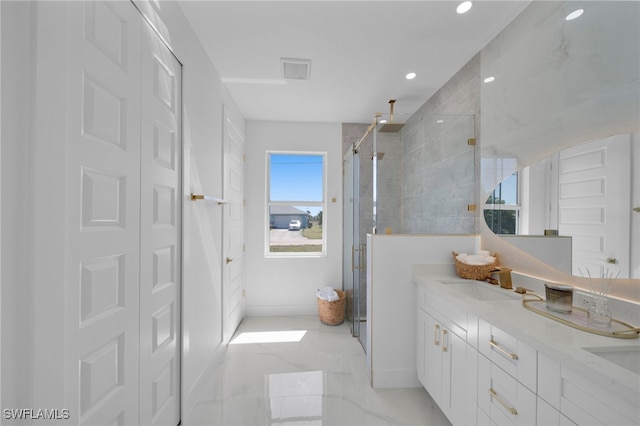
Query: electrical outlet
[582, 300]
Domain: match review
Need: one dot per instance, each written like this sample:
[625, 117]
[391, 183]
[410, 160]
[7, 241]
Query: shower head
[391, 127]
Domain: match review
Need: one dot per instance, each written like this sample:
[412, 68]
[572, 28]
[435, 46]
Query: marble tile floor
[294, 371]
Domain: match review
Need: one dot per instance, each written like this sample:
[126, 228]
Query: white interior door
[160, 233]
[122, 230]
[103, 220]
[233, 225]
[595, 205]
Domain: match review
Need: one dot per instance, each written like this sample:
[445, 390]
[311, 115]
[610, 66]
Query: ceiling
[360, 52]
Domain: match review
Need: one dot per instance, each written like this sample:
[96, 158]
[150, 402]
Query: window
[502, 208]
[295, 204]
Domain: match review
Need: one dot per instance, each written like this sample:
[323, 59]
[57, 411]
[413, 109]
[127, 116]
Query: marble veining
[321, 379]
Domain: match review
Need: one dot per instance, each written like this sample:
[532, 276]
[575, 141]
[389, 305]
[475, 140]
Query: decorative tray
[577, 318]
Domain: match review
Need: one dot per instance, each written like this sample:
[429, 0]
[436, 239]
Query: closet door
[102, 159]
[160, 235]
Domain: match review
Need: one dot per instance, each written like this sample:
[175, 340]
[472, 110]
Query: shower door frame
[353, 250]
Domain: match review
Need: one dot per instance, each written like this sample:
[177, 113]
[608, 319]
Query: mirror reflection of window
[502, 208]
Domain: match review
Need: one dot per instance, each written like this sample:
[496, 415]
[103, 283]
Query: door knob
[636, 209]
[612, 260]
[229, 260]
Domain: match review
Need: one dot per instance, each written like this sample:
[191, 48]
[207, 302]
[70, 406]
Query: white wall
[287, 286]
[16, 344]
[203, 99]
[391, 297]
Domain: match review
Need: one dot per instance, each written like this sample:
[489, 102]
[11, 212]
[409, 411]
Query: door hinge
[471, 141]
[244, 292]
[471, 207]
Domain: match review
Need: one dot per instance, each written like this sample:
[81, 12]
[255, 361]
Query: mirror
[557, 83]
[577, 209]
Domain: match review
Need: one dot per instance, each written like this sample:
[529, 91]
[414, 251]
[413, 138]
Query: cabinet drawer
[587, 401]
[549, 416]
[513, 356]
[502, 397]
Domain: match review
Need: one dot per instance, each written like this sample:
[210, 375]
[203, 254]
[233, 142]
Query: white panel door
[595, 204]
[233, 225]
[102, 224]
[161, 233]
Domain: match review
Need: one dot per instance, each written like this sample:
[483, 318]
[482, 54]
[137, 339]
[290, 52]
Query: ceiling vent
[295, 69]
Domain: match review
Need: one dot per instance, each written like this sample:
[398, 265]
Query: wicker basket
[332, 312]
[474, 272]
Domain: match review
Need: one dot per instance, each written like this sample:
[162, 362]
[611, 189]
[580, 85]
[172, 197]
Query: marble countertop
[558, 341]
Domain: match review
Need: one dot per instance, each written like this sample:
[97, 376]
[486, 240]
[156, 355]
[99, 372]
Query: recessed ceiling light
[439, 121]
[489, 79]
[410, 76]
[464, 7]
[575, 14]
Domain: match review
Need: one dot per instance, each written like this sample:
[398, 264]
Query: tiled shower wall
[440, 168]
[429, 174]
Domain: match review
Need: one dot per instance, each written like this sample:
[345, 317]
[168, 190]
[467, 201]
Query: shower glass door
[350, 255]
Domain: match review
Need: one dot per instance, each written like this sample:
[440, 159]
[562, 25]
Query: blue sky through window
[295, 177]
[510, 189]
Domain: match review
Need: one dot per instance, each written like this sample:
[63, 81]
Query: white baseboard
[280, 310]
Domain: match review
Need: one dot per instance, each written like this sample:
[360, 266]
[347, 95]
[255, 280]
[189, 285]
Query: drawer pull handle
[435, 335]
[499, 349]
[509, 409]
[444, 345]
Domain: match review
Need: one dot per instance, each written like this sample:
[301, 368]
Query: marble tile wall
[429, 173]
[389, 183]
[440, 168]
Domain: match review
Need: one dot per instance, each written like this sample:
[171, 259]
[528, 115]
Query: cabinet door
[463, 378]
[548, 416]
[432, 359]
[420, 345]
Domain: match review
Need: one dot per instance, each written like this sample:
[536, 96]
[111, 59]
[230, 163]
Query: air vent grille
[295, 69]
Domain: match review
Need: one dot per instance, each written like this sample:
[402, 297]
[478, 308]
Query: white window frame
[517, 208]
[322, 204]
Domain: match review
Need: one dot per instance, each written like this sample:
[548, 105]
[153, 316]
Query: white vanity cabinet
[446, 364]
[581, 399]
[541, 375]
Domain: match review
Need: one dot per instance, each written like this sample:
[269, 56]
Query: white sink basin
[482, 291]
[627, 357]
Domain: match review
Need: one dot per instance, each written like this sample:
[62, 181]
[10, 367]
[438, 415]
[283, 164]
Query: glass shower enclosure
[362, 214]
[420, 180]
